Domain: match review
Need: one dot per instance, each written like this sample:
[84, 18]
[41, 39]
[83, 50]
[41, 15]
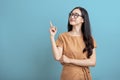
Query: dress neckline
[73, 35]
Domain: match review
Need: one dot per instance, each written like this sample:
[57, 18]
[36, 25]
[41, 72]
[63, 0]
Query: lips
[72, 20]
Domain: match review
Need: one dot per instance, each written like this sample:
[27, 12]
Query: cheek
[79, 21]
[72, 21]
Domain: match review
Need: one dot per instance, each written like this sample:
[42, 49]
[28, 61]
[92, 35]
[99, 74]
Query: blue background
[25, 49]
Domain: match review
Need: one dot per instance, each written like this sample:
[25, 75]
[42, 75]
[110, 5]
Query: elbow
[57, 58]
[93, 64]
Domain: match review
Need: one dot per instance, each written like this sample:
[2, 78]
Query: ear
[82, 20]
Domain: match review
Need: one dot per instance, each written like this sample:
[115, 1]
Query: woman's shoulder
[63, 34]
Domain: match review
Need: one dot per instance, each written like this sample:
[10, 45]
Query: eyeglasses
[75, 15]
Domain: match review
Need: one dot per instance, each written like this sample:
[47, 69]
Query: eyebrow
[76, 13]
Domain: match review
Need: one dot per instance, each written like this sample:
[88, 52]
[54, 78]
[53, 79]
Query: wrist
[51, 36]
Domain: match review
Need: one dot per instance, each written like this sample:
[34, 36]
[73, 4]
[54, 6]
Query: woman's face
[75, 18]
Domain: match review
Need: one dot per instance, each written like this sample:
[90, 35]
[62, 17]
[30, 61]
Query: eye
[75, 15]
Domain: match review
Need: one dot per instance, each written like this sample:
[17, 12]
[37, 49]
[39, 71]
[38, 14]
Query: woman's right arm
[57, 51]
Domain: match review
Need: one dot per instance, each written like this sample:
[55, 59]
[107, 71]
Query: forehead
[76, 11]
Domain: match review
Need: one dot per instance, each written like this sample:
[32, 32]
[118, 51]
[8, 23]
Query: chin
[72, 23]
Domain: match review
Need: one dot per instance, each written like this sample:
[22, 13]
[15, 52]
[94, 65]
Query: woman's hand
[53, 30]
[65, 59]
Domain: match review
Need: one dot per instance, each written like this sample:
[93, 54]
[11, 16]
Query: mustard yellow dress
[73, 48]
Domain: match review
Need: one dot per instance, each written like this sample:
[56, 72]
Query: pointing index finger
[51, 24]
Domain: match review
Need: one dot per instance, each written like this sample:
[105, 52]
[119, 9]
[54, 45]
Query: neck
[76, 30]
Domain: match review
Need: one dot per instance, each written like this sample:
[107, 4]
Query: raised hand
[53, 29]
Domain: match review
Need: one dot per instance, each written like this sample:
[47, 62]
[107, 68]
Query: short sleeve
[59, 41]
[94, 43]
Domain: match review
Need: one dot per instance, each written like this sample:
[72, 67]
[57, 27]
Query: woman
[75, 49]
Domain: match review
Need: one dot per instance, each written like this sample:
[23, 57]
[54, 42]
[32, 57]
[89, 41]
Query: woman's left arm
[86, 62]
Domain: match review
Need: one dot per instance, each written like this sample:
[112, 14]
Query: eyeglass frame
[75, 15]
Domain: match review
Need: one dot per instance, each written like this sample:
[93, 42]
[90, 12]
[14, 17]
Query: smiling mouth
[72, 20]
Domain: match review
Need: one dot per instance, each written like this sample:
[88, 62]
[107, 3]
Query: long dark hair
[86, 31]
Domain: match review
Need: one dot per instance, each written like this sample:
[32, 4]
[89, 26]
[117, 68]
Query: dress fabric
[73, 48]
